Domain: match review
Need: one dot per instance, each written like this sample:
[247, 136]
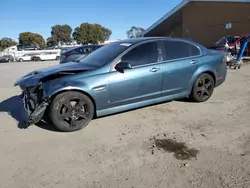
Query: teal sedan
[121, 76]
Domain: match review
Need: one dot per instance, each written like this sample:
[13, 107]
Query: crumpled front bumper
[33, 112]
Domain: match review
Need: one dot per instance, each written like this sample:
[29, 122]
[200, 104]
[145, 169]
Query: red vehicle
[220, 44]
[234, 42]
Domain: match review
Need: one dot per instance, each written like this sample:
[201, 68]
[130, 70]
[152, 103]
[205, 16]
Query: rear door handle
[193, 62]
[154, 69]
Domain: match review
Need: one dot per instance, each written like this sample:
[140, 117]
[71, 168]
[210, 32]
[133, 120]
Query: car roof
[137, 40]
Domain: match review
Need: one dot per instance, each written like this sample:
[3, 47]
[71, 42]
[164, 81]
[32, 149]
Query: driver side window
[142, 55]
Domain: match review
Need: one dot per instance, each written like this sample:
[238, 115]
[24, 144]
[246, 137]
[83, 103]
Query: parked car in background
[65, 49]
[21, 47]
[234, 44]
[220, 44]
[26, 57]
[6, 58]
[78, 52]
[246, 53]
[121, 76]
[46, 56]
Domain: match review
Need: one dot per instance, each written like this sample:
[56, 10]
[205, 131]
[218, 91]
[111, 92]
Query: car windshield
[221, 41]
[104, 54]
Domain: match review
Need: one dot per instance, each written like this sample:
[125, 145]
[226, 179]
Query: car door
[180, 61]
[141, 82]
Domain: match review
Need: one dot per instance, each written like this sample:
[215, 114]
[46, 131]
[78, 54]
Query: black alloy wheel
[71, 111]
[203, 88]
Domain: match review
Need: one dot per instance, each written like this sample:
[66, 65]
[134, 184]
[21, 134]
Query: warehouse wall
[204, 22]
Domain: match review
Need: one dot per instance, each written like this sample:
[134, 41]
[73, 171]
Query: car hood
[35, 77]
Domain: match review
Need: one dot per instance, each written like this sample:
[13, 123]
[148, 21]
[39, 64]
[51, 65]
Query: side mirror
[122, 66]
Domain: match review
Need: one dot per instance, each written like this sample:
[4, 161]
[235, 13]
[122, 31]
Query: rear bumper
[220, 81]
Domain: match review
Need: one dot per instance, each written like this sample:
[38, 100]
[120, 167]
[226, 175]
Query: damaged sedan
[121, 76]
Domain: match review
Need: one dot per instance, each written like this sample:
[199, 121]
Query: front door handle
[154, 69]
[193, 62]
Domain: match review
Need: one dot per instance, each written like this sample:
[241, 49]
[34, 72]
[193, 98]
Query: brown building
[204, 21]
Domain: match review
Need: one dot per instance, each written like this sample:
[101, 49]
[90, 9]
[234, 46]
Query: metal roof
[184, 3]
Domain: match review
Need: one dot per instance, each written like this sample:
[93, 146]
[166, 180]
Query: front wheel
[203, 88]
[71, 111]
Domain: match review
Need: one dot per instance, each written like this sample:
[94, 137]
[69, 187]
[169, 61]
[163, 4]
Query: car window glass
[231, 39]
[104, 55]
[221, 41]
[87, 50]
[142, 54]
[78, 50]
[95, 47]
[179, 49]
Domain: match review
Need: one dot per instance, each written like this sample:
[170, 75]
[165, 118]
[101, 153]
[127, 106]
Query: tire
[57, 57]
[68, 117]
[38, 59]
[20, 60]
[203, 88]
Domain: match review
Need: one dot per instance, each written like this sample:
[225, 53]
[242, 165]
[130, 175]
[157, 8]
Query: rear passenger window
[179, 49]
[142, 54]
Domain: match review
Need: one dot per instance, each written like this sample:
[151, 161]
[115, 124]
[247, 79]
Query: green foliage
[106, 33]
[51, 42]
[31, 38]
[135, 32]
[91, 33]
[61, 33]
[6, 42]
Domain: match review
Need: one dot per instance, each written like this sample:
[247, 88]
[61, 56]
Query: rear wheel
[71, 111]
[20, 60]
[203, 88]
[57, 57]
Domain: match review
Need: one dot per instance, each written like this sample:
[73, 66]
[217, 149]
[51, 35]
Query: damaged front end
[38, 86]
[34, 104]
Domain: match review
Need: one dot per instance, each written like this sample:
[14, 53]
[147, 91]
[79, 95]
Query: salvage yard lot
[132, 149]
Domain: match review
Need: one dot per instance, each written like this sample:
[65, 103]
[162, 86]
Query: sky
[18, 16]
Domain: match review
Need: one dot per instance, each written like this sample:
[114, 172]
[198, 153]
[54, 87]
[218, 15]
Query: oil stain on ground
[180, 150]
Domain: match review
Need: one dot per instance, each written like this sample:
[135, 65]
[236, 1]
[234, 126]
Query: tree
[31, 38]
[91, 33]
[61, 33]
[106, 33]
[51, 42]
[135, 32]
[75, 34]
[6, 42]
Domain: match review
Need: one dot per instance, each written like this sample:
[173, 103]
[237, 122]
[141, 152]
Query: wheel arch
[52, 96]
[211, 73]
[199, 73]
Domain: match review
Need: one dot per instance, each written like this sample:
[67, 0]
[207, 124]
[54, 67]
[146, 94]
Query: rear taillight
[66, 56]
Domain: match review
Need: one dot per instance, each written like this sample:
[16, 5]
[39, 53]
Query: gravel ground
[173, 145]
